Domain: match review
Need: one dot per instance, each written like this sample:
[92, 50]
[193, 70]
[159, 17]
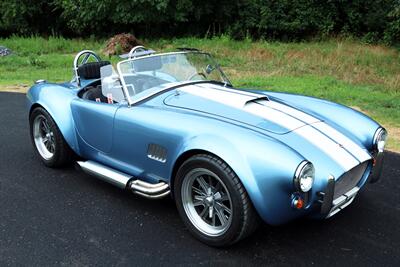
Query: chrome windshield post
[123, 83]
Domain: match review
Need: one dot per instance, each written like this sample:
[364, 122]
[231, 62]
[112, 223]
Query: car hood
[249, 108]
[310, 136]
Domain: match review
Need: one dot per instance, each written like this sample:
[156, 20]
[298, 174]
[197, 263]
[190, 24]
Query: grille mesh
[350, 179]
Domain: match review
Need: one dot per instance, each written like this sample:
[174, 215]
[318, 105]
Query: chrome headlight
[304, 176]
[380, 139]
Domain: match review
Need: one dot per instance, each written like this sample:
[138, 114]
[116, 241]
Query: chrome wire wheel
[43, 136]
[207, 202]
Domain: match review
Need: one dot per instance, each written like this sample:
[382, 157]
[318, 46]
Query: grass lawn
[365, 77]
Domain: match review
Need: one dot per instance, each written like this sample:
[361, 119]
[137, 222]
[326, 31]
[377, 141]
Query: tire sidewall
[234, 229]
[57, 136]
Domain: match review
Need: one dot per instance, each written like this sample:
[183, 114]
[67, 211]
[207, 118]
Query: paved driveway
[64, 217]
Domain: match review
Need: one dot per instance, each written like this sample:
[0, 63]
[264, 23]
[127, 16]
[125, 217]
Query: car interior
[91, 71]
[96, 91]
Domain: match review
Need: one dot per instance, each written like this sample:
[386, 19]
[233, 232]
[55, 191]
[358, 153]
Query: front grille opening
[349, 179]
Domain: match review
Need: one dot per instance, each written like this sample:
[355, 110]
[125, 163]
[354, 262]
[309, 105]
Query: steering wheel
[190, 77]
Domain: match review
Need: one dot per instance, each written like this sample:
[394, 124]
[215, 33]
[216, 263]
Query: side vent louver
[157, 153]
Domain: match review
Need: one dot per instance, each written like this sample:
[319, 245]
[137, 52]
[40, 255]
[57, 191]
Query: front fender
[56, 99]
[264, 165]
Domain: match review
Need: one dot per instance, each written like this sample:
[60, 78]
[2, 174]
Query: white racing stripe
[292, 112]
[273, 115]
[238, 100]
[331, 149]
[308, 119]
[227, 89]
[358, 152]
[222, 96]
[336, 145]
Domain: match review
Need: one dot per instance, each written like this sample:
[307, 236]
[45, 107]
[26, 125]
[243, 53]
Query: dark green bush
[284, 19]
[29, 17]
[392, 31]
[372, 20]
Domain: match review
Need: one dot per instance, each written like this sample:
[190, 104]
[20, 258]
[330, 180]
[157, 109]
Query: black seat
[91, 70]
[93, 93]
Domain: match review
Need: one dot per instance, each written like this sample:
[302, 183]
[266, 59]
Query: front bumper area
[340, 193]
[343, 201]
[330, 206]
[377, 169]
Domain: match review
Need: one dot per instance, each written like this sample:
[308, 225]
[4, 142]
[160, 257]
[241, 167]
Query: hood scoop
[255, 100]
[249, 108]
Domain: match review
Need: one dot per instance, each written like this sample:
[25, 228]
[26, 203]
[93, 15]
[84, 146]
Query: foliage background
[371, 20]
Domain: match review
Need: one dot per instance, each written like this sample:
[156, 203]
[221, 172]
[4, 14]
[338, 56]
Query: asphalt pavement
[64, 217]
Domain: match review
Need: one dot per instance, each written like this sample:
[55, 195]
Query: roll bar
[86, 54]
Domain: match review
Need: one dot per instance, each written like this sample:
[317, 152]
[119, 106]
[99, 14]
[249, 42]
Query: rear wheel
[213, 202]
[47, 139]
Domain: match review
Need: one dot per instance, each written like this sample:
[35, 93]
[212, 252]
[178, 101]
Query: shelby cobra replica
[172, 124]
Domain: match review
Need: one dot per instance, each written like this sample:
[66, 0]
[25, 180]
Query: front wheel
[48, 140]
[212, 201]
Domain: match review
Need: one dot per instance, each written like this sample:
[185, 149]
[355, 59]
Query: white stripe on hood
[336, 145]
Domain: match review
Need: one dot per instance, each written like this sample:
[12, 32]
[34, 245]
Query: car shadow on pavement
[65, 217]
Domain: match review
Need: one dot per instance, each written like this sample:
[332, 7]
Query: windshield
[148, 75]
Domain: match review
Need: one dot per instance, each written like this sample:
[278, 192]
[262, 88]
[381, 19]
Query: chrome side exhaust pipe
[123, 180]
[148, 190]
[105, 173]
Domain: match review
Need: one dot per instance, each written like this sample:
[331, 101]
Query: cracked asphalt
[64, 217]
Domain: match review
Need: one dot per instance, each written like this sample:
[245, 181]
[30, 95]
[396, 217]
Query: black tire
[244, 220]
[63, 155]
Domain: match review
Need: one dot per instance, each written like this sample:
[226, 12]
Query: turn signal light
[298, 203]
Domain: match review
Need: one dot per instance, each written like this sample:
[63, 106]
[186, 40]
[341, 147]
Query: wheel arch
[181, 159]
[263, 165]
[34, 106]
[64, 124]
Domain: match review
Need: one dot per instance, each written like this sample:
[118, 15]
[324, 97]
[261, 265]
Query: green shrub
[36, 62]
[372, 20]
[27, 17]
[392, 31]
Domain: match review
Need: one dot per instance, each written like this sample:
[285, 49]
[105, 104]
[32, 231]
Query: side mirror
[209, 69]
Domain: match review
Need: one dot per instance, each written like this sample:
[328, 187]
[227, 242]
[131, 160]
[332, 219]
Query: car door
[140, 146]
[94, 122]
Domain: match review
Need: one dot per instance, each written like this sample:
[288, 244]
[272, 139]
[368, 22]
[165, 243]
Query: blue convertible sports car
[172, 124]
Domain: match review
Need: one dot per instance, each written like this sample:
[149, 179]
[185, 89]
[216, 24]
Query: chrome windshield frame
[125, 87]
